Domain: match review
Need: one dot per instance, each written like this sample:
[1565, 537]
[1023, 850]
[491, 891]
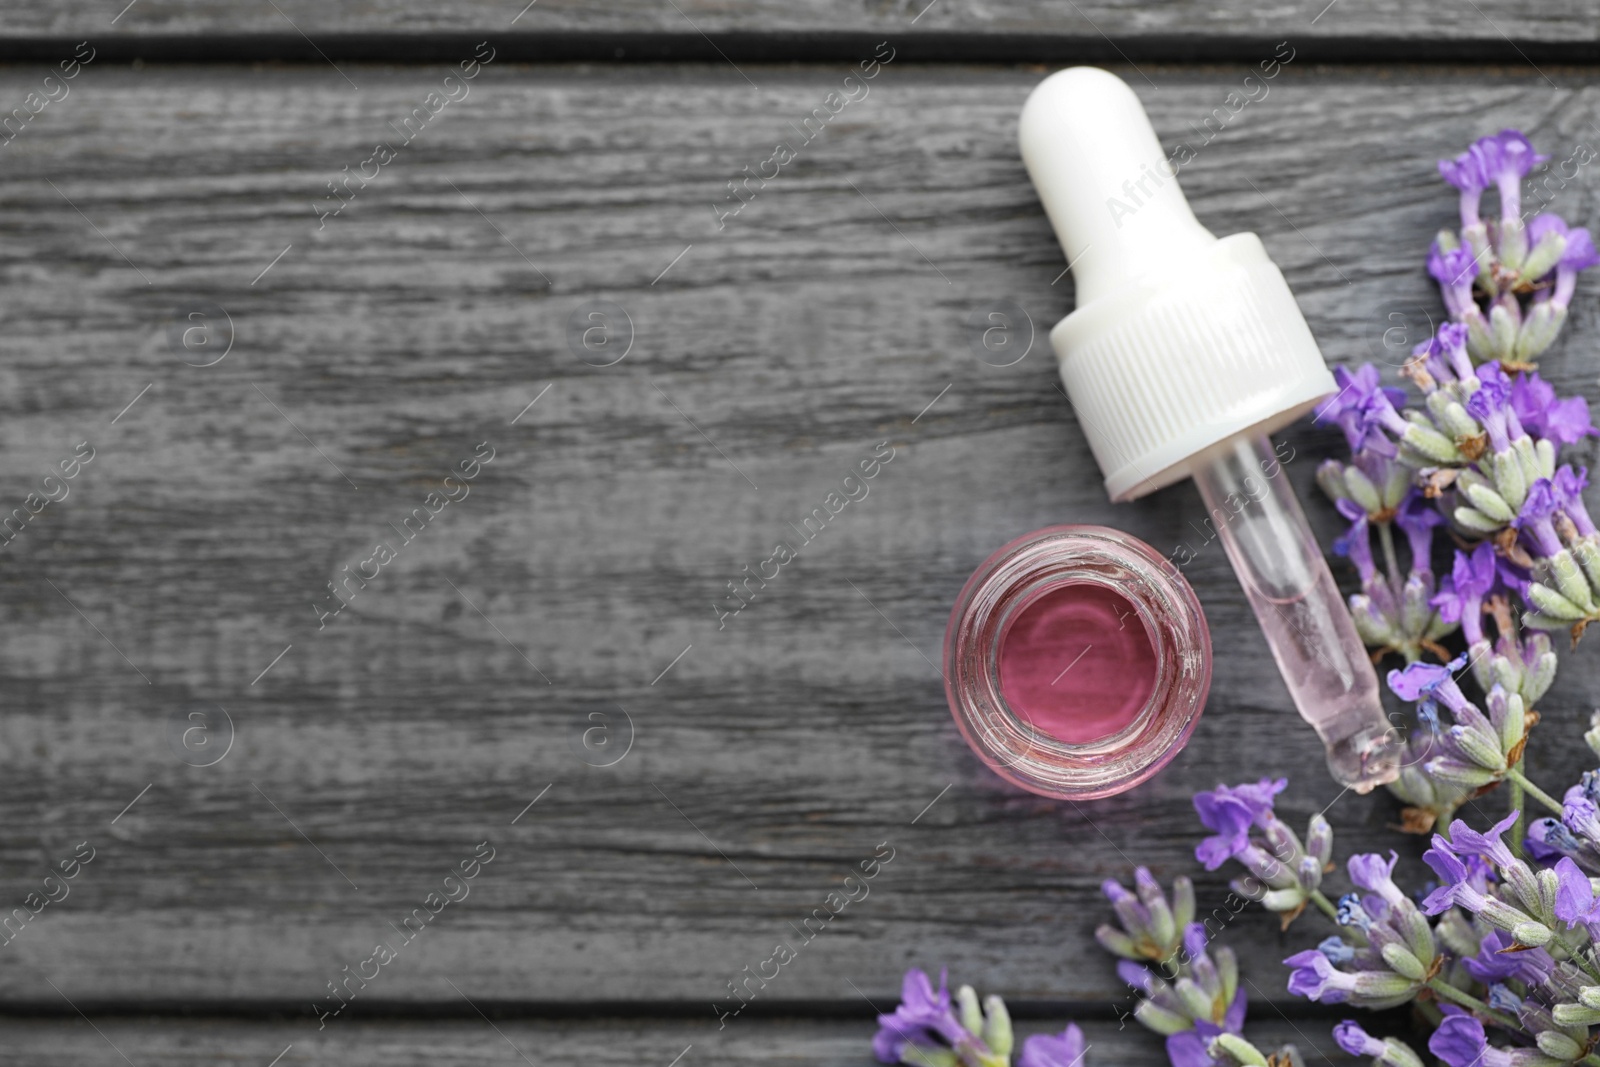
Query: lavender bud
[1251, 889]
[1506, 713]
[1330, 476]
[1227, 972]
[1361, 489]
[1477, 748]
[1194, 999]
[1555, 1043]
[1532, 933]
[1510, 479]
[1539, 329]
[1162, 930]
[1454, 772]
[1161, 1020]
[1182, 901]
[1431, 444]
[1575, 1015]
[971, 1014]
[1587, 553]
[997, 1026]
[1502, 331]
[1309, 873]
[1402, 962]
[1552, 605]
[1319, 840]
[1397, 1054]
[1451, 417]
[1282, 900]
[1416, 611]
[1374, 627]
[1542, 258]
[1570, 580]
[1116, 942]
[1513, 241]
[1230, 1048]
[1486, 500]
[1282, 842]
[1479, 345]
[1475, 521]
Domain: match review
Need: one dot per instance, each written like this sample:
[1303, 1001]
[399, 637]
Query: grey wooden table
[274, 364]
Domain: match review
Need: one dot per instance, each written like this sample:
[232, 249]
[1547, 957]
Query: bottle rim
[1019, 574]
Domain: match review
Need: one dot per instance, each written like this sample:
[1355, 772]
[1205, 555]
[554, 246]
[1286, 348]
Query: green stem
[1518, 802]
[1516, 776]
[1391, 562]
[1449, 992]
[1325, 905]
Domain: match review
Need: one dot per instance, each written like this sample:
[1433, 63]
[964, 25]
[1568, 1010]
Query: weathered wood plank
[777, 753]
[602, 1042]
[1511, 31]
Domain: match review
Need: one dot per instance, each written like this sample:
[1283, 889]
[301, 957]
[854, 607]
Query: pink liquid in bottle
[1077, 663]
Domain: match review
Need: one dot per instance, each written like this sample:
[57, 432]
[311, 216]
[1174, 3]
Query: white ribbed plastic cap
[1180, 340]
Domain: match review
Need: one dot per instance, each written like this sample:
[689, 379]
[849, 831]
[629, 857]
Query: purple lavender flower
[1460, 1042]
[1579, 255]
[1373, 873]
[1356, 1041]
[1534, 518]
[1230, 813]
[1580, 814]
[1548, 841]
[1446, 351]
[1455, 885]
[1472, 578]
[1427, 682]
[1514, 160]
[890, 1042]
[1471, 173]
[1346, 407]
[1466, 841]
[1503, 160]
[1356, 543]
[1188, 1048]
[1417, 517]
[921, 1010]
[1054, 1050]
[1568, 486]
[1136, 977]
[1496, 962]
[1315, 978]
[1454, 269]
[1490, 405]
[1384, 1052]
[1541, 413]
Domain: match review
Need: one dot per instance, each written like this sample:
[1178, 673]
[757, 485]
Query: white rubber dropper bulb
[1105, 182]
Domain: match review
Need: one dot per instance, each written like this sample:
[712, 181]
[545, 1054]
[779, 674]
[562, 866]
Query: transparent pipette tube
[1285, 578]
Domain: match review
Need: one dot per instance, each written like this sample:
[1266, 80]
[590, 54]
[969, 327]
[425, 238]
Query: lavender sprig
[928, 1029]
[1284, 874]
[1485, 273]
[1152, 929]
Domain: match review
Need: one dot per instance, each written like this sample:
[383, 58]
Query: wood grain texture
[767, 357]
[601, 1042]
[1430, 29]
